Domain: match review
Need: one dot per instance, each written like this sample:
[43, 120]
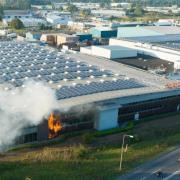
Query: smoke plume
[20, 108]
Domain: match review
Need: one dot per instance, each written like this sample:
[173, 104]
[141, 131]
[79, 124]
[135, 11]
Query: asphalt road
[166, 163]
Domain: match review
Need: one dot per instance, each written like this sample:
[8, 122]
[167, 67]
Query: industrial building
[66, 39]
[109, 52]
[113, 92]
[147, 31]
[166, 51]
[33, 37]
[26, 18]
[12, 14]
[84, 37]
[59, 38]
[109, 13]
[57, 18]
[103, 32]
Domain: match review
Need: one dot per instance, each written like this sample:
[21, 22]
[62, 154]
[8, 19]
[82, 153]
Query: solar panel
[21, 61]
[96, 87]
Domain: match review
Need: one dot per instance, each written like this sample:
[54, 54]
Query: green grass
[83, 162]
[46, 161]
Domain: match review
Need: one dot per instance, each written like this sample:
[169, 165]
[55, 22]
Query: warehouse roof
[175, 45]
[139, 31]
[79, 77]
[16, 12]
[102, 28]
[160, 38]
[150, 33]
[164, 29]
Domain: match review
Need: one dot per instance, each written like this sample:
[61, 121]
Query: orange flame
[54, 126]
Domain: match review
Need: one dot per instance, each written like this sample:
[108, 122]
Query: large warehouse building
[113, 92]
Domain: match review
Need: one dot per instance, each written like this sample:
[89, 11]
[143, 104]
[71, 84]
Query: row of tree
[25, 4]
[142, 2]
[21, 4]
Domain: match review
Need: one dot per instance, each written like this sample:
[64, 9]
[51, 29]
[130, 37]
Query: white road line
[145, 177]
[156, 171]
[172, 175]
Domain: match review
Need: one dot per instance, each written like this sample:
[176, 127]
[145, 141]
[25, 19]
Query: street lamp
[122, 149]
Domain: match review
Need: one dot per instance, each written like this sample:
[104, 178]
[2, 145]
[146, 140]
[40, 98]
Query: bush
[130, 125]
[88, 138]
[136, 139]
[16, 24]
[80, 152]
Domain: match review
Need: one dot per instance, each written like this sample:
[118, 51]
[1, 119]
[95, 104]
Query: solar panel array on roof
[96, 87]
[171, 45]
[20, 61]
[161, 38]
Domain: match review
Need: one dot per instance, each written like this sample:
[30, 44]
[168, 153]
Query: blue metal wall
[98, 33]
[84, 37]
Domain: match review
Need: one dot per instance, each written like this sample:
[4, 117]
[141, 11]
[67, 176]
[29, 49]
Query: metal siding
[109, 34]
[107, 119]
[83, 37]
[103, 33]
[95, 32]
[136, 32]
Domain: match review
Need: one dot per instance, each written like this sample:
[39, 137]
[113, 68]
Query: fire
[54, 126]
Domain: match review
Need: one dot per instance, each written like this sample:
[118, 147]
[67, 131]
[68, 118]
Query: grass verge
[94, 162]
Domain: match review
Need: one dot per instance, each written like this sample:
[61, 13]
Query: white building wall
[177, 65]
[123, 54]
[107, 52]
[86, 50]
[147, 49]
[102, 52]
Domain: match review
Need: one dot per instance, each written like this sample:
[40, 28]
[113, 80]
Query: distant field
[99, 160]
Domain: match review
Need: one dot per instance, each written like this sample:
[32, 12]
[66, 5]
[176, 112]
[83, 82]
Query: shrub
[88, 138]
[80, 152]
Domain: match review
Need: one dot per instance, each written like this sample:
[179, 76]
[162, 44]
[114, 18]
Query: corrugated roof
[164, 29]
[136, 32]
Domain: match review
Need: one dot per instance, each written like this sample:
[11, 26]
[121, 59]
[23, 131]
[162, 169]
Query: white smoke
[23, 107]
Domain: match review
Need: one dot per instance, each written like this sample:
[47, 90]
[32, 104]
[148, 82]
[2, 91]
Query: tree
[72, 8]
[105, 3]
[16, 24]
[1, 12]
[16, 4]
[85, 12]
[138, 10]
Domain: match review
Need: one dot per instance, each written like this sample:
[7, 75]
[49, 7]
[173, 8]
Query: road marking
[172, 175]
[156, 171]
[145, 177]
